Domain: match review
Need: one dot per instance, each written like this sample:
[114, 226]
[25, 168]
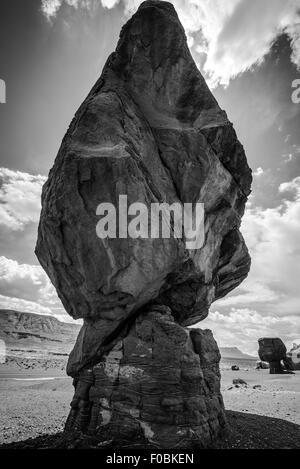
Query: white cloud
[27, 288]
[233, 35]
[10, 269]
[259, 171]
[20, 195]
[243, 327]
[24, 281]
[51, 7]
[109, 3]
[291, 186]
[287, 158]
[241, 39]
[25, 306]
[23, 287]
[272, 236]
[19, 304]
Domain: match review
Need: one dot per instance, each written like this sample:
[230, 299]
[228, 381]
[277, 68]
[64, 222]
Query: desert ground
[35, 397]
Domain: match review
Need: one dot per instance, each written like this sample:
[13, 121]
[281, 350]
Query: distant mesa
[29, 332]
[234, 352]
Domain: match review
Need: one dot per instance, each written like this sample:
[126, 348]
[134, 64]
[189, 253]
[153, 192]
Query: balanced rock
[149, 132]
[273, 351]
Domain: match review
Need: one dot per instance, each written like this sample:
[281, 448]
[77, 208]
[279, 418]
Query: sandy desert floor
[35, 398]
[278, 395]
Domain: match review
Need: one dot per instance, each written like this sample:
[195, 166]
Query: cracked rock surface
[150, 129]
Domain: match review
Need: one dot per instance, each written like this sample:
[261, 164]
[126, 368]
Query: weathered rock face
[150, 129]
[160, 385]
[294, 356]
[273, 351]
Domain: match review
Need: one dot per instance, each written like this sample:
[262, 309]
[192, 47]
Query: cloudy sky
[52, 52]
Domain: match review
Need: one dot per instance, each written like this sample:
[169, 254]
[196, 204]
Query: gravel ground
[264, 413]
[246, 431]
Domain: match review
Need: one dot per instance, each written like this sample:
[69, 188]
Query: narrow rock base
[161, 384]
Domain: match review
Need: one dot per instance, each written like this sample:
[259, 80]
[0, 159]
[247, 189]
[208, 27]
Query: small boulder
[239, 381]
[261, 365]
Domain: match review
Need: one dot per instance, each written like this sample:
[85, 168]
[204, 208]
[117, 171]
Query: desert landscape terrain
[263, 410]
[265, 413]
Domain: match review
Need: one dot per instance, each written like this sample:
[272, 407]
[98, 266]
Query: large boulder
[149, 130]
[273, 351]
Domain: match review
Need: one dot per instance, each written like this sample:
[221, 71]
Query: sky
[51, 54]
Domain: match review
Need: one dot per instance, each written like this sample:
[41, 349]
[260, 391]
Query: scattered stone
[238, 381]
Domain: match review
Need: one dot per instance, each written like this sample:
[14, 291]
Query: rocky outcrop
[149, 129]
[260, 365]
[23, 332]
[273, 351]
[160, 385]
[294, 356]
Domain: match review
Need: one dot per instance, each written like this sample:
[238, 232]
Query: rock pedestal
[273, 351]
[159, 385]
[150, 130]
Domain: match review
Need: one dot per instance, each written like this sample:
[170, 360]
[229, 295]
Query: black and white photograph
[149, 227]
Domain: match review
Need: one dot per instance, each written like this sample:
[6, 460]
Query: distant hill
[30, 332]
[234, 352]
